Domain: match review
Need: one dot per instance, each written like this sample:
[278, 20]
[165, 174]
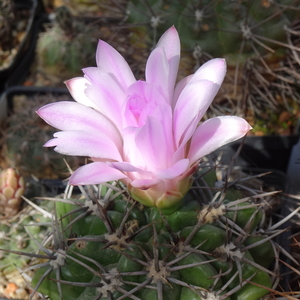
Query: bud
[11, 189]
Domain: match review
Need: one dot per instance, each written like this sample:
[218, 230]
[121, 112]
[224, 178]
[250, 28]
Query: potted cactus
[65, 44]
[151, 222]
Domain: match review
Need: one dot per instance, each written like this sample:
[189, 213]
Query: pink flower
[145, 133]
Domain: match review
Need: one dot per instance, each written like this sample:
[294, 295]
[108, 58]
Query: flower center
[141, 103]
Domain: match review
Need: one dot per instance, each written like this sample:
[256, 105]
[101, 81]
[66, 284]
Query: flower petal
[157, 72]
[176, 170]
[106, 84]
[95, 173]
[76, 87]
[85, 143]
[190, 107]
[104, 104]
[214, 70]
[142, 101]
[214, 133]
[151, 142]
[171, 44]
[145, 184]
[179, 88]
[67, 115]
[111, 61]
[131, 171]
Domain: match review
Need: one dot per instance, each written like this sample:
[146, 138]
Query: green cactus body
[114, 248]
[15, 238]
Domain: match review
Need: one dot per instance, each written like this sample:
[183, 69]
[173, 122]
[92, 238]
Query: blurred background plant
[66, 46]
[259, 39]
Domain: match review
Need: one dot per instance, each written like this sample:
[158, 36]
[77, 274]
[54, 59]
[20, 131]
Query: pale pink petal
[214, 133]
[67, 115]
[131, 171]
[157, 72]
[145, 184]
[142, 101]
[164, 114]
[214, 70]
[176, 170]
[125, 166]
[76, 87]
[131, 152]
[151, 143]
[171, 44]
[106, 84]
[111, 61]
[190, 107]
[85, 143]
[128, 167]
[179, 88]
[105, 105]
[95, 173]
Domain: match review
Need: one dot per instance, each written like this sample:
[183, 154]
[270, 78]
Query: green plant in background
[259, 40]
[17, 232]
[65, 45]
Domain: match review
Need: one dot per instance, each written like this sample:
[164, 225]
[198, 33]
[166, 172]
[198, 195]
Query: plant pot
[24, 133]
[21, 71]
[25, 43]
[260, 152]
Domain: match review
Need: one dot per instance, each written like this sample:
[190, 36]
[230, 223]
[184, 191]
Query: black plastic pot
[6, 103]
[31, 5]
[22, 69]
[260, 152]
[48, 185]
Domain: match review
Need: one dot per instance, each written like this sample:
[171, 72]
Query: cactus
[65, 45]
[24, 137]
[12, 187]
[257, 38]
[18, 233]
[218, 245]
